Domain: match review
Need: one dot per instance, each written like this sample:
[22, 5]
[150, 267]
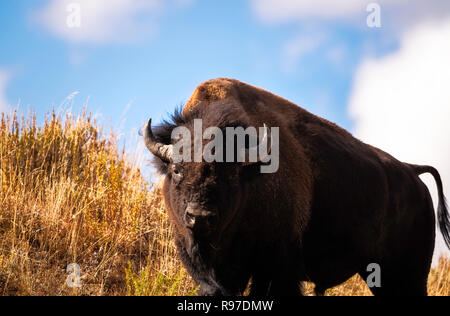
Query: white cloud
[400, 13]
[4, 79]
[320, 17]
[104, 21]
[281, 10]
[401, 102]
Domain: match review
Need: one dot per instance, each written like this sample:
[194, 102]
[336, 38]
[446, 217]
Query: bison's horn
[162, 151]
[266, 142]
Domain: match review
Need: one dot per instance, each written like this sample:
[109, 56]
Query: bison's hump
[212, 90]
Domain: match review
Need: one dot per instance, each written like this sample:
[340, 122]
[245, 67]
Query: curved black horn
[160, 150]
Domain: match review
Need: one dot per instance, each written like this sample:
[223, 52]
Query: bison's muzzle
[199, 220]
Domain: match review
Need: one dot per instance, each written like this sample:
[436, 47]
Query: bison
[335, 205]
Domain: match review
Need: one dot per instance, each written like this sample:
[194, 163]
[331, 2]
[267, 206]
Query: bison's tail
[442, 213]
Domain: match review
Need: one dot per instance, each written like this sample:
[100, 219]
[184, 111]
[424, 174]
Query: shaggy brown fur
[334, 206]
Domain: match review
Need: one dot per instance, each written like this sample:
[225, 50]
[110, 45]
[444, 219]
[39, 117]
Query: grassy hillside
[69, 195]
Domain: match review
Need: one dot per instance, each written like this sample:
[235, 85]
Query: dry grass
[68, 195]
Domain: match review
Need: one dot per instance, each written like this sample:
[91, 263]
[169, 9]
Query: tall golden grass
[70, 195]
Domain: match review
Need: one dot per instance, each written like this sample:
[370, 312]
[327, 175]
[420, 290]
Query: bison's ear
[161, 167]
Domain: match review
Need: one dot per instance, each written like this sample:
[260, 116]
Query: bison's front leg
[212, 290]
[260, 286]
[229, 282]
[277, 286]
[203, 275]
[279, 274]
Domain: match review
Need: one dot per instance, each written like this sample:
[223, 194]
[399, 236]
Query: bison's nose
[197, 217]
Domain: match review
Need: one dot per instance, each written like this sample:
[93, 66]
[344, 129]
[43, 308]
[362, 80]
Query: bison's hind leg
[401, 280]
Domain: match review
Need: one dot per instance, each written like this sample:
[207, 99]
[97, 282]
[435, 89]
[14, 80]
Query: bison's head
[202, 197]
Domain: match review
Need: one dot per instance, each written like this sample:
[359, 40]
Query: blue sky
[135, 59]
[192, 43]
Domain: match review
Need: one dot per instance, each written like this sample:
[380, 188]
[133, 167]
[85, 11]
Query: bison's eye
[177, 175]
